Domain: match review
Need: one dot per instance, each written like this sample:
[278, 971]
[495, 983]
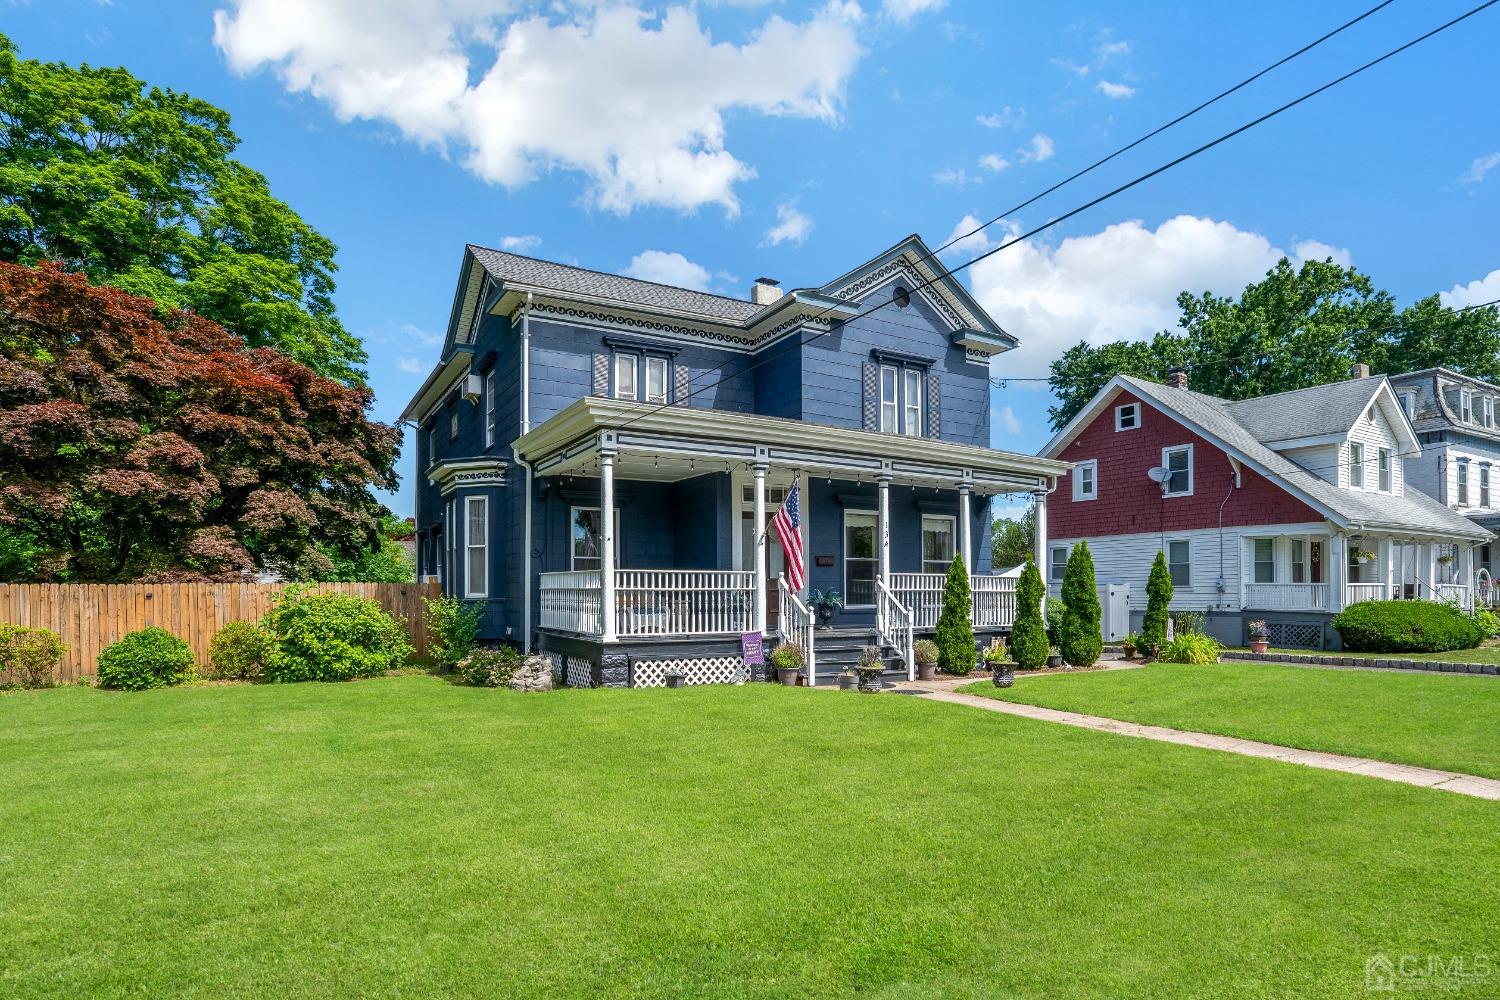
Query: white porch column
[761, 581]
[883, 484]
[1040, 506]
[1466, 573]
[1338, 572]
[1386, 568]
[607, 544]
[964, 531]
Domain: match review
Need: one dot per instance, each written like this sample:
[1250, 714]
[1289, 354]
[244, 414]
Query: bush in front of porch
[1080, 637]
[1028, 637]
[1407, 627]
[955, 632]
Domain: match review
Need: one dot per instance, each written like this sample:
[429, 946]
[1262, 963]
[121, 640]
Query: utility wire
[1100, 199]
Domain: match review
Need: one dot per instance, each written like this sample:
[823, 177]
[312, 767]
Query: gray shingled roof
[1412, 510]
[1302, 413]
[630, 291]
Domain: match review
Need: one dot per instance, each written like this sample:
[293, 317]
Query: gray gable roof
[1219, 419]
[1302, 413]
[516, 269]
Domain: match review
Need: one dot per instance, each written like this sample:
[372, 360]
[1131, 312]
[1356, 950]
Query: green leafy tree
[137, 187]
[1080, 637]
[1158, 598]
[1011, 539]
[1297, 327]
[1028, 636]
[955, 633]
[384, 560]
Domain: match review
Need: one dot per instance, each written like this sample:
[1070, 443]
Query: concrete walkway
[1448, 781]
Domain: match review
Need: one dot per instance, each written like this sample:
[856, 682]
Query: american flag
[788, 523]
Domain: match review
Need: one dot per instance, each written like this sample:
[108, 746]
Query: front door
[775, 563]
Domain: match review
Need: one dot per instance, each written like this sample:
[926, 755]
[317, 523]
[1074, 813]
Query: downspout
[1234, 484]
[530, 479]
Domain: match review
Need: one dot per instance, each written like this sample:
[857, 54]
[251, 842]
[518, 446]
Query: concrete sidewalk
[1448, 781]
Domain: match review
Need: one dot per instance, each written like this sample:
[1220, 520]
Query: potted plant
[925, 652]
[848, 680]
[675, 678]
[869, 669]
[1260, 636]
[1365, 555]
[788, 658]
[1002, 671]
[825, 603]
[1130, 645]
[1054, 658]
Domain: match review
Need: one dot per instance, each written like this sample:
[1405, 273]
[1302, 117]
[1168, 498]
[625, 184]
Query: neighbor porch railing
[1357, 592]
[994, 601]
[794, 623]
[893, 624]
[1287, 596]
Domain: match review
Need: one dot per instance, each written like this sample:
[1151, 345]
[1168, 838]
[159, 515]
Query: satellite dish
[1159, 473]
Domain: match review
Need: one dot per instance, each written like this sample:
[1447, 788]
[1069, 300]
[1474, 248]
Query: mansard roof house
[1283, 508]
[599, 457]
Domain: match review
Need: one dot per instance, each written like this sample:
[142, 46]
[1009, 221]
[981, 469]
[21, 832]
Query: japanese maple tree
[137, 443]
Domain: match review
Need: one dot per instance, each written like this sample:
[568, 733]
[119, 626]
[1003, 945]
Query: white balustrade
[1357, 592]
[893, 624]
[921, 594]
[794, 624]
[1452, 593]
[994, 601]
[571, 601]
[684, 602]
[1287, 596]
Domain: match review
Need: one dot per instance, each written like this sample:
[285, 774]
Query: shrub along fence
[90, 616]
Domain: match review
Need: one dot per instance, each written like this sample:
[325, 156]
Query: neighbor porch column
[1040, 542]
[761, 581]
[964, 532]
[1466, 573]
[1338, 572]
[607, 544]
[883, 485]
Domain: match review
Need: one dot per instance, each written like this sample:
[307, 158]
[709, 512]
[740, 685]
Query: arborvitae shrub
[1028, 636]
[1158, 597]
[955, 633]
[1080, 637]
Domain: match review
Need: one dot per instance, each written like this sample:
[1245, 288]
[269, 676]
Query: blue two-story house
[599, 458]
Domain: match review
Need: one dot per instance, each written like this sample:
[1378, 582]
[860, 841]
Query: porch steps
[840, 648]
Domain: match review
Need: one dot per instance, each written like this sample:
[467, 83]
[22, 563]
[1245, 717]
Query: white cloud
[1480, 167]
[1006, 117]
[1305, 250]
[409, 365]
[1009, 422]
[520, 244]
[1108, 50]
[1041, 148]
[634, 102]
[1486, 289]
[791, 226]
[1121, 283]
[421, 336]
[967, 239]
[993, 162]
[955, 177]
[902, 11]
[668, 269]
[1115, 91]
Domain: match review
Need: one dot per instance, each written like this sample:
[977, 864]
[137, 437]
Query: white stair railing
[893, 625]
[794, 624]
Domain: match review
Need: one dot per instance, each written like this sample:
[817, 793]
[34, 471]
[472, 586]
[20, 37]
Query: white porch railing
[794, 623]
[893, 623]
[994, 601]
[994, 598]
[921, 594]
[1357, 592]
[571, 601]
[1455, 592]
[1287, 596]
[683, 602]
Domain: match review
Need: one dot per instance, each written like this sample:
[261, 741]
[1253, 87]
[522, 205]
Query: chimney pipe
[1360, 370]
[1177, 378]
[765, 291]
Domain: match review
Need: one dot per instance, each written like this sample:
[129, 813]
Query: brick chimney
[1177, 378]
[765, 291]
[1360, 370]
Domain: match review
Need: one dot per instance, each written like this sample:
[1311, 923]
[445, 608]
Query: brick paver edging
[1334, 660]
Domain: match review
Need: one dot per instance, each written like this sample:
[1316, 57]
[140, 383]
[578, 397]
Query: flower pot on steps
[926, 671]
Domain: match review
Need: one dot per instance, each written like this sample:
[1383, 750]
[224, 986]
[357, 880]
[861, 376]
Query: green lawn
[1479, 654]
[1446, 721]
[404, 837]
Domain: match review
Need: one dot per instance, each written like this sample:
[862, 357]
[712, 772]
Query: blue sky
[712, 143]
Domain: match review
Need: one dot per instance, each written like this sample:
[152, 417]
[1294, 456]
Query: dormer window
[1128, 417]
[1488, 409]
[1409, 404]
[1356, 465]
[1385, 470]
[1466, 406]
[1462, 477]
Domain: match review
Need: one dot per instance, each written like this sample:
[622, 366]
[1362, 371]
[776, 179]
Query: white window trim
[1356, 465]
[1461, 483]
[922, 537]
[1078, 492]
[1484, 485]
[489, 408]
[1057, 568]
[1466, 405]
[1166, 551]
[1385, 471]
[657, 364]
[1135, 411]
[1165, 454]
[1488, 410]
[844, 552]
[1275, 563]
[471, 546]
[911, 423]
[893, 425]
[623, 362]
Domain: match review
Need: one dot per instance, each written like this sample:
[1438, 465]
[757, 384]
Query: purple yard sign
[753, 650]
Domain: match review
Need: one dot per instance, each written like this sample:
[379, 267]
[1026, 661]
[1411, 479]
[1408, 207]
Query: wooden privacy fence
[90, 616]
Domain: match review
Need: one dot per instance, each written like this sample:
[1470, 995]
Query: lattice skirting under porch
[574, 671]
[697, 670]
[1295, 635]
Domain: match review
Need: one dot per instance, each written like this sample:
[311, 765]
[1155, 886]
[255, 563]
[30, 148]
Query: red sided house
[1284, 508]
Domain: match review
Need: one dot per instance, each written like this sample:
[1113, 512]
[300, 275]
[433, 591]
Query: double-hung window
[1484, 485]
[1128, 417]
[1086, 480]
[1299, 560]
[860, 558]
[489, 409]
[937, 542]
[1385, 470]
[1356, 465]
[1179, 562]
[901, 402]
[656, 380]
[586, 531]
[1057, 563]
[1466, 405]
[1178, 462]
[476, 547]
[625, 376]
[1462, 475]
[1263, 565]
[911, 402]
[890, 409]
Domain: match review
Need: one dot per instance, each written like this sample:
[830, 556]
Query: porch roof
[678, 438]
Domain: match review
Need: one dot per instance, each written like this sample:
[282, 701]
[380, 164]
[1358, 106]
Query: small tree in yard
[1028, 637]
[955, 633]
[1158, 597]
[1080, 637]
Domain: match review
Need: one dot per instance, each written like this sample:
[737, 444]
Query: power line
[1096, 201]
[1479, 305]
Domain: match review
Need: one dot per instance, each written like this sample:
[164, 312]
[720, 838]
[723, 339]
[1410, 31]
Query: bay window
[476, 547]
